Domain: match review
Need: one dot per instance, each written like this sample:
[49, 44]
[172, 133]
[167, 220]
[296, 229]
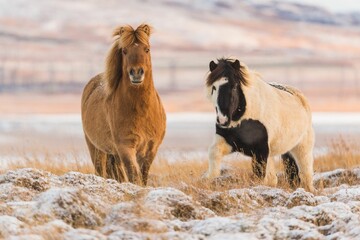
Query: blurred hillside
[56, 46]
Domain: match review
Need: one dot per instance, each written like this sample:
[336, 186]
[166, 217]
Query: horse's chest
[250, 137]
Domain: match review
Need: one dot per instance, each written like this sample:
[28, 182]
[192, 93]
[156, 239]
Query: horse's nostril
[132, 71]
[141, 71]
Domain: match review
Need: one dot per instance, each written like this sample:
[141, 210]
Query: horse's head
[129, 58]
[136, 53]
[136, 62]
[224, 87]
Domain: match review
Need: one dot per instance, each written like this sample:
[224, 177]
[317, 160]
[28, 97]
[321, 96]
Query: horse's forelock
[127, 36]
[224, 68]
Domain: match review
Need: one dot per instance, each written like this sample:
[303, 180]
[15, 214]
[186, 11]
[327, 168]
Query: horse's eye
[213, 89]
[124, 51]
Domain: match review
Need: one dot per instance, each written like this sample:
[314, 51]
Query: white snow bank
[37, 205]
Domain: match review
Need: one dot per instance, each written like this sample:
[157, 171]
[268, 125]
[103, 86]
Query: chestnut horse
[122, 115]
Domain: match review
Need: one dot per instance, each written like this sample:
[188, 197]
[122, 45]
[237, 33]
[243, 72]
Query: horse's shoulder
[96, 82]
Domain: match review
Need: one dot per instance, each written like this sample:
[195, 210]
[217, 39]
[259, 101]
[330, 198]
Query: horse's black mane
[281, 87]
[225, 69]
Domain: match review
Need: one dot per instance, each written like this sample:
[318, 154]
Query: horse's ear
[113, 68]
[236, 65]
[146, 29]
[212, 66]
[118, 31]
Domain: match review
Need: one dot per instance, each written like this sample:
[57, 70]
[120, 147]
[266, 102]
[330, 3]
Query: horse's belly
[288, 132]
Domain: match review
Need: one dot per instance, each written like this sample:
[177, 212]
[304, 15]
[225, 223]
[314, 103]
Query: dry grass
[342, 154]
[47, 163]
[187, 175]
[237, 173]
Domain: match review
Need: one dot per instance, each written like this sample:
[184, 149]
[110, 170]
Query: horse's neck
[253, 96]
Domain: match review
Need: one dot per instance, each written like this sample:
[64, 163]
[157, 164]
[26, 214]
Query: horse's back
[297, 93]
[284, 110]
[92, 96]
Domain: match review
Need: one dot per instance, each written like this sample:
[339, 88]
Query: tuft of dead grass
[341, 154]
[60, 166]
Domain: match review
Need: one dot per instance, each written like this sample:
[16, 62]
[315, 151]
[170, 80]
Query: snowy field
[38, 205]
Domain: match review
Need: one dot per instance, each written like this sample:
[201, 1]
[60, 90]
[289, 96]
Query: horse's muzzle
[136, 75]
[223, 122]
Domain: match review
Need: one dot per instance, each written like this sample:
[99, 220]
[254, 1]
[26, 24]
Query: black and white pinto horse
[260, 120]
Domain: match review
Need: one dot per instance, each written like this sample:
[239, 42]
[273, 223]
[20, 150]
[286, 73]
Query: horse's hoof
[208, 176]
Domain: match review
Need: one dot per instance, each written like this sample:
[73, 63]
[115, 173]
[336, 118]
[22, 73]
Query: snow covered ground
[38, 205]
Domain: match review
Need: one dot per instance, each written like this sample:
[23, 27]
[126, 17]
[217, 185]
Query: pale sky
[334, 5]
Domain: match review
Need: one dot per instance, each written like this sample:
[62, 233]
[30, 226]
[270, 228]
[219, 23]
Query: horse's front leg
[217, 150]
[270, 173]
[127, 157]
[259, 162]
[145, 164]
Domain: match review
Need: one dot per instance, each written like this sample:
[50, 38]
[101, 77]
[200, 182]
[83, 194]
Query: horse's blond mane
[124, 36]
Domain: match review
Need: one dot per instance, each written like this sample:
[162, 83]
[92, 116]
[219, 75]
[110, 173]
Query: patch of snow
[301, 197]
[172, 203]
[71, 205]
[83, 234]
[85, 206]
[346, 195]
[10, 226]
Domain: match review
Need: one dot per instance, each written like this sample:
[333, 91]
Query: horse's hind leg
[98, 158]
[291, 170]
[303, 154]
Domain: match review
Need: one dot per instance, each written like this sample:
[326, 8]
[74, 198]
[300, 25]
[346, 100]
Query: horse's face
[226, 94]
[137, 62]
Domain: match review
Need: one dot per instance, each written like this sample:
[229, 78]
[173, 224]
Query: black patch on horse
[231, 100]
[251, 139]
[281, 87]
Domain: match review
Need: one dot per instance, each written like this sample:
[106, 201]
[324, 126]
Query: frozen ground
[38, 205]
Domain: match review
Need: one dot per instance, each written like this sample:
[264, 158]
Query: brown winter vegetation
[236, 171]
[89, 205]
